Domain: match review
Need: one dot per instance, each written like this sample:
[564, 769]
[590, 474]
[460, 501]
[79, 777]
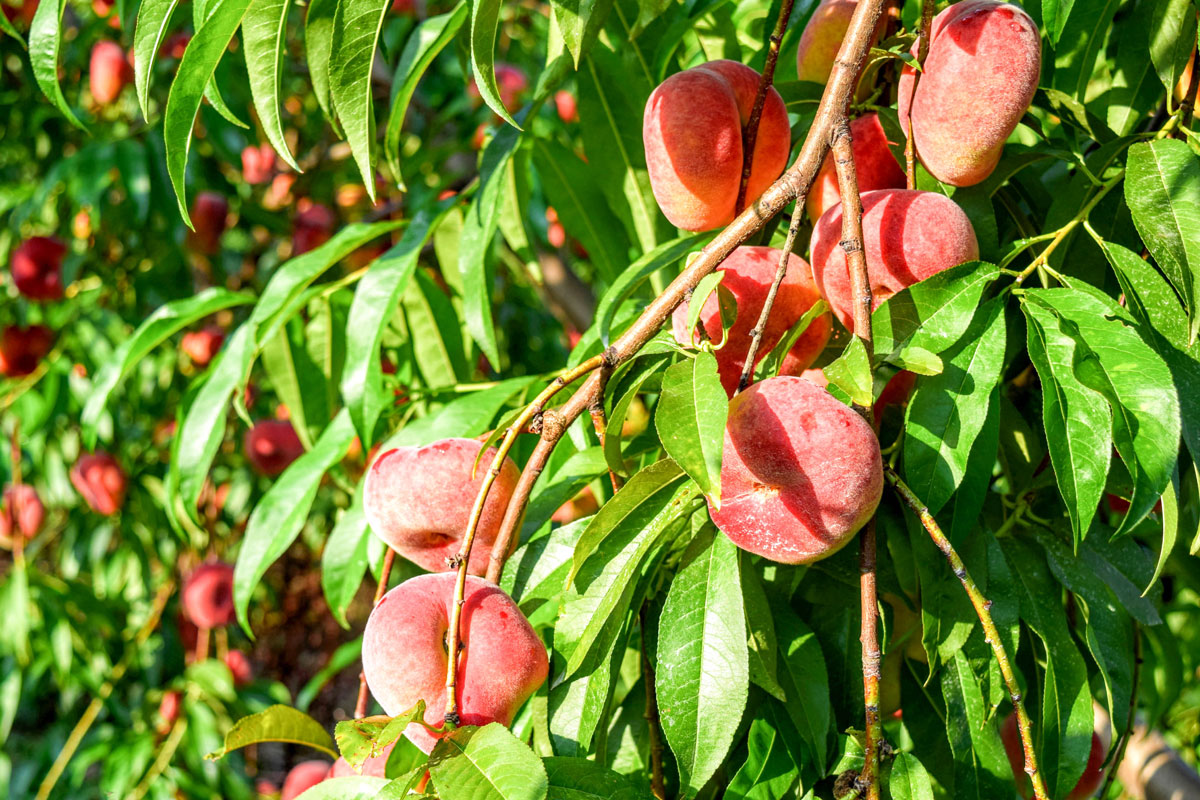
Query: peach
[875, 166]
[565, 105]
[21, 513]
[501, 663]
[22, 348]
[168, 709]
[907, 237]
[208, 595]
[239, 666]
[801, 472]
[823, 36]
[692, 131]
[271, 445]
[210, 216]
[303, 777]
[749, 272]
[1088, 783]
[418, 500]
[202, 345]
[108, 72]
[37, 268]
[258, 163]
[980, 76]
[895, 392]
[313, 227]
[101, 482]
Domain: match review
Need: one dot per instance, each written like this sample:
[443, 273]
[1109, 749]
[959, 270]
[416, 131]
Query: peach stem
[364, 695]
[910, 146]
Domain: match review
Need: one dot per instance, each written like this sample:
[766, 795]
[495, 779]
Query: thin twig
[364, 695]
[869, 639]
[910, 146]
[1188, 106]
[750, 132]
[760, 327]
[1119, 753]
[462, 559]
[600, 421]
[165, 754]
[1061, 233]
[657, 783]
[983, 608]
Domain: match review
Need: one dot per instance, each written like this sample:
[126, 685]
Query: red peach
[875, 166]
[581, 505]
[418, 500]
[202, 345]
[303, 777]
[692, 131]
[37, 268]
[109, 71]
[564, 103]
[749, 273]
[313, 227]
[502, 661]
[101, 482]
[258, 163]
[239, 665]
[823, 36]
[21, 513]
[168, 709]
[271, 445]
[208, 595]
[908, 236]
[801, 472]
[1088, 783]
[22, 348]
[210, 216]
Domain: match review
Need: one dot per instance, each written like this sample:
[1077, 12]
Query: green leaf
[298, 382]
[264, 35]
[360, 739]
[769, 366]
[616, 419]
[760, 629]
[356, 28]
[7, 27]
[485, 20]
[580, 779]
[434, 332]
[580, 22]
[706, 286]
[851, 373]
[1170, 505]
[1162, 188]
[276, 724]
[487, 763]
[1172, 39]
[277, 519]
[1134, 91]
[154, 330]
[196, 68]
[690, 418]
[981, 769]
[538, 570]
[703, 675]
[769, 772]
[423, 46]
[153, 19]
[909, 780]
[344, 559]
[1084, 36]
[45, 40]
[805, 680]
[201, 11]
[661, 257]
[948, 411]
[318, 47]
[1054, 17]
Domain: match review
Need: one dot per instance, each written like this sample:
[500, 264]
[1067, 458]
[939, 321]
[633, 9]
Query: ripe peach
[564, 103]
[907, 237]
[980, 76]
[37, 268]
[168, 709]
[109, 71]
[801, 472]
[823, 36]
[501, 662]
[22, 348]
[202, 345]
[1089, 782]
[101, 482]
[239, 665]
[419, 500]
[210, 215]
[271, 445]
[875, 166]
[21, 513]
[258, 163]
[303, 777]
[692, 131]
[208, 595]
[749, 272]
[313, 227]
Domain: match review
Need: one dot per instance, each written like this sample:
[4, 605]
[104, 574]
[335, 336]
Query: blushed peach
[210, 216]
[202, 345]
[801, 472]
[418, 500]
[1088, 783]
[208, 595]
[258, 163]
[271, 445]
[875, 167]
[908, 236]
[22, 348]
[303, 777]
[101, 482]
[168, 709]
[502, 661]
[823, 36]
[239, 666]
[313, 228]
[109, 71]
[749, 272]
[980, 76]
[21, 513]
[37, 268]
[565, 105]
[692, 131]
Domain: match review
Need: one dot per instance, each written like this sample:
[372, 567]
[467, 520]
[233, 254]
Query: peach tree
[527, 401]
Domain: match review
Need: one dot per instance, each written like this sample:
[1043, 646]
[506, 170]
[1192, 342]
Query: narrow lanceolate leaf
[374, 304]
[703, 675]
[931, 315]
[264, 35]
[1172, 39]
[485, 20]
[45, 39]
[487, 763]
[1112, 359]
[1054, 15]
[153, 18]
[769, 772]
[580, 22]
[851, 373]
[296, 380]
[7, 27]
[579, 779]
[691, 420]
[344, 559]
[279, 515]
[1077, 421]
[276, 724]
[196, 69]
[981, 770]
[1162, 188]
[949, 410]
[423, 46]
[164, 322]
[355, 36]
[909, 780]
[661, 257]
[803, 675]
[201, 11]
[760, 630]
[318, 49]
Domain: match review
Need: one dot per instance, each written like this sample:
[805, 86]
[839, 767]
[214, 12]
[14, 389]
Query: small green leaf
[661, 257]
[264, 35]
[909, 780]
[153, 19]
[360, 739]
[769, 772]
[318, 47]
[690, 419]
[707, 285]
[356, 28]
[851, 373]
[45, 40]
[769, 367]
[344, 559]
[487, 763]
[276, 724]
[485, 20]
[803, 675]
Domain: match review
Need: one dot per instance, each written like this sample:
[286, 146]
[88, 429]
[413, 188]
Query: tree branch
[364, 695]
[657, 782]
[1188, 106]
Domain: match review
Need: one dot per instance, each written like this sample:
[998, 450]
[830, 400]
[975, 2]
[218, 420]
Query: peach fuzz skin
[208, 595]
[101, 482]
[823, 36]
[37, 268]
[303, 777]
[1088, 783]
[418, 500]
[502, 661]
[980, 77]
[801, 472]
[874, 164]
[749, 272]
[907, 237]
[692, 131]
